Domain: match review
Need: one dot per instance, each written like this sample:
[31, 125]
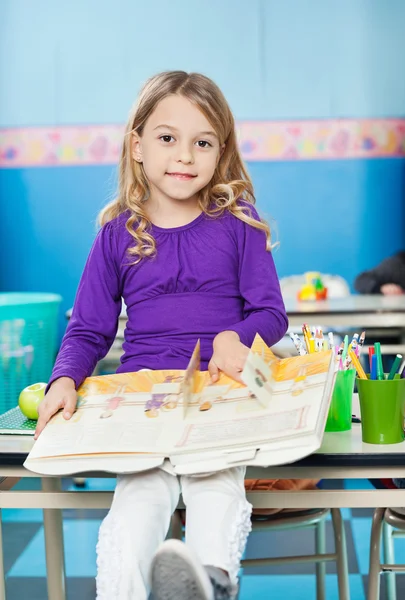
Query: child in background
[184, 247]
[387, 278]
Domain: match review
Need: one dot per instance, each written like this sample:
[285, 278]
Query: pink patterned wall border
[259, 141]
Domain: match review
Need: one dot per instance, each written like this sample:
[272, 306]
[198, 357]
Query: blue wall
[82, 62]
[332, 216]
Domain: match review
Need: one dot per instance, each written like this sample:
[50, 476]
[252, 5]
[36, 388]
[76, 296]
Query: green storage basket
[28, 337]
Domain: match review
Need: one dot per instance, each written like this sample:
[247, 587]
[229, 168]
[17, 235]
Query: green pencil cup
[340, 409]
[382, 406]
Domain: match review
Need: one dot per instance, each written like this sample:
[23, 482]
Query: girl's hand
[61, 394]
[391, 289]
[229, 356]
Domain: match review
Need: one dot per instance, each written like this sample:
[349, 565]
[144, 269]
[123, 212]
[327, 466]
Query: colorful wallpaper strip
[259, 141]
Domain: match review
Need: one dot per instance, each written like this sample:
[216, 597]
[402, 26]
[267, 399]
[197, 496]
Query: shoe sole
[176, 575]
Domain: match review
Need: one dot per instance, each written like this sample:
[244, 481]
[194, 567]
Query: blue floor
[24, 554]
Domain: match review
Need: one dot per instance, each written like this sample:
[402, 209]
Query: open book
[129, 422]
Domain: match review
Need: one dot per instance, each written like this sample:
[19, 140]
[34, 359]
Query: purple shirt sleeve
[264, 311]
[94, 321]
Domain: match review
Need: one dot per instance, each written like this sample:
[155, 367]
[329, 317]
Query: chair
[298, 519]
[337, 288]
[314, 519]
[390, 522]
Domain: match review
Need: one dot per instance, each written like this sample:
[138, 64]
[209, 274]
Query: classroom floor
[24, 554]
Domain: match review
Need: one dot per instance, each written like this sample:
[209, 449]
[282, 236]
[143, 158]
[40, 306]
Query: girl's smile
[182, 176]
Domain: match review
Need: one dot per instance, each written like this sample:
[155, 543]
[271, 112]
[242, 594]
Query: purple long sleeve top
[211, 275]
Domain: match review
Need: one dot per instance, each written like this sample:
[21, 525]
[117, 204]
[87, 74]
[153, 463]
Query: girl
[184, 247]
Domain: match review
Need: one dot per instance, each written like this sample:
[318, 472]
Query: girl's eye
[166, 138]
[203, 144]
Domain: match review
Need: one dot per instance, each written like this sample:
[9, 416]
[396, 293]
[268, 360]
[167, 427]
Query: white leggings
[218, 523]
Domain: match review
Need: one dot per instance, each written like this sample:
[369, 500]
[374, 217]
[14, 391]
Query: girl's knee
[147, 487]
[229, 482]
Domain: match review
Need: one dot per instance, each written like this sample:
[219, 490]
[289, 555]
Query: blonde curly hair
[229, 184]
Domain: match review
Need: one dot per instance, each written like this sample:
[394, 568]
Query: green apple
[29, 399]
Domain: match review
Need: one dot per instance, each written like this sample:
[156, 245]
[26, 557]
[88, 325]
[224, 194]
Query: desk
[341, 456]
[365, 312]
[374, 313]
[351, 311]
[378, 315]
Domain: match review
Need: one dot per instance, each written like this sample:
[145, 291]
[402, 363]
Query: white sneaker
[177, 574]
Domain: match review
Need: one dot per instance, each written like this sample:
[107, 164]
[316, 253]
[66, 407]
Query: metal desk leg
[2, 574]
[55, 559]
[6, 483]
[373, 592]
[389, 558]
[320, 568]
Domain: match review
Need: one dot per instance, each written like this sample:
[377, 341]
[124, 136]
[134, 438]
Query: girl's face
[179, 150]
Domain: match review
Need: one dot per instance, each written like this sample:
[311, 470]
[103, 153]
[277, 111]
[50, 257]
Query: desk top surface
[348, 305]
[354, 304]
[341, 449]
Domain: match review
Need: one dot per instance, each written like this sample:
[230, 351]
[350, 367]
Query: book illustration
[113, 403]
[258, 375]
[252, 428]
[315, 364]
[191, 379]
[298, 385]
[165, 396]
[183, 416]
[158, 392]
